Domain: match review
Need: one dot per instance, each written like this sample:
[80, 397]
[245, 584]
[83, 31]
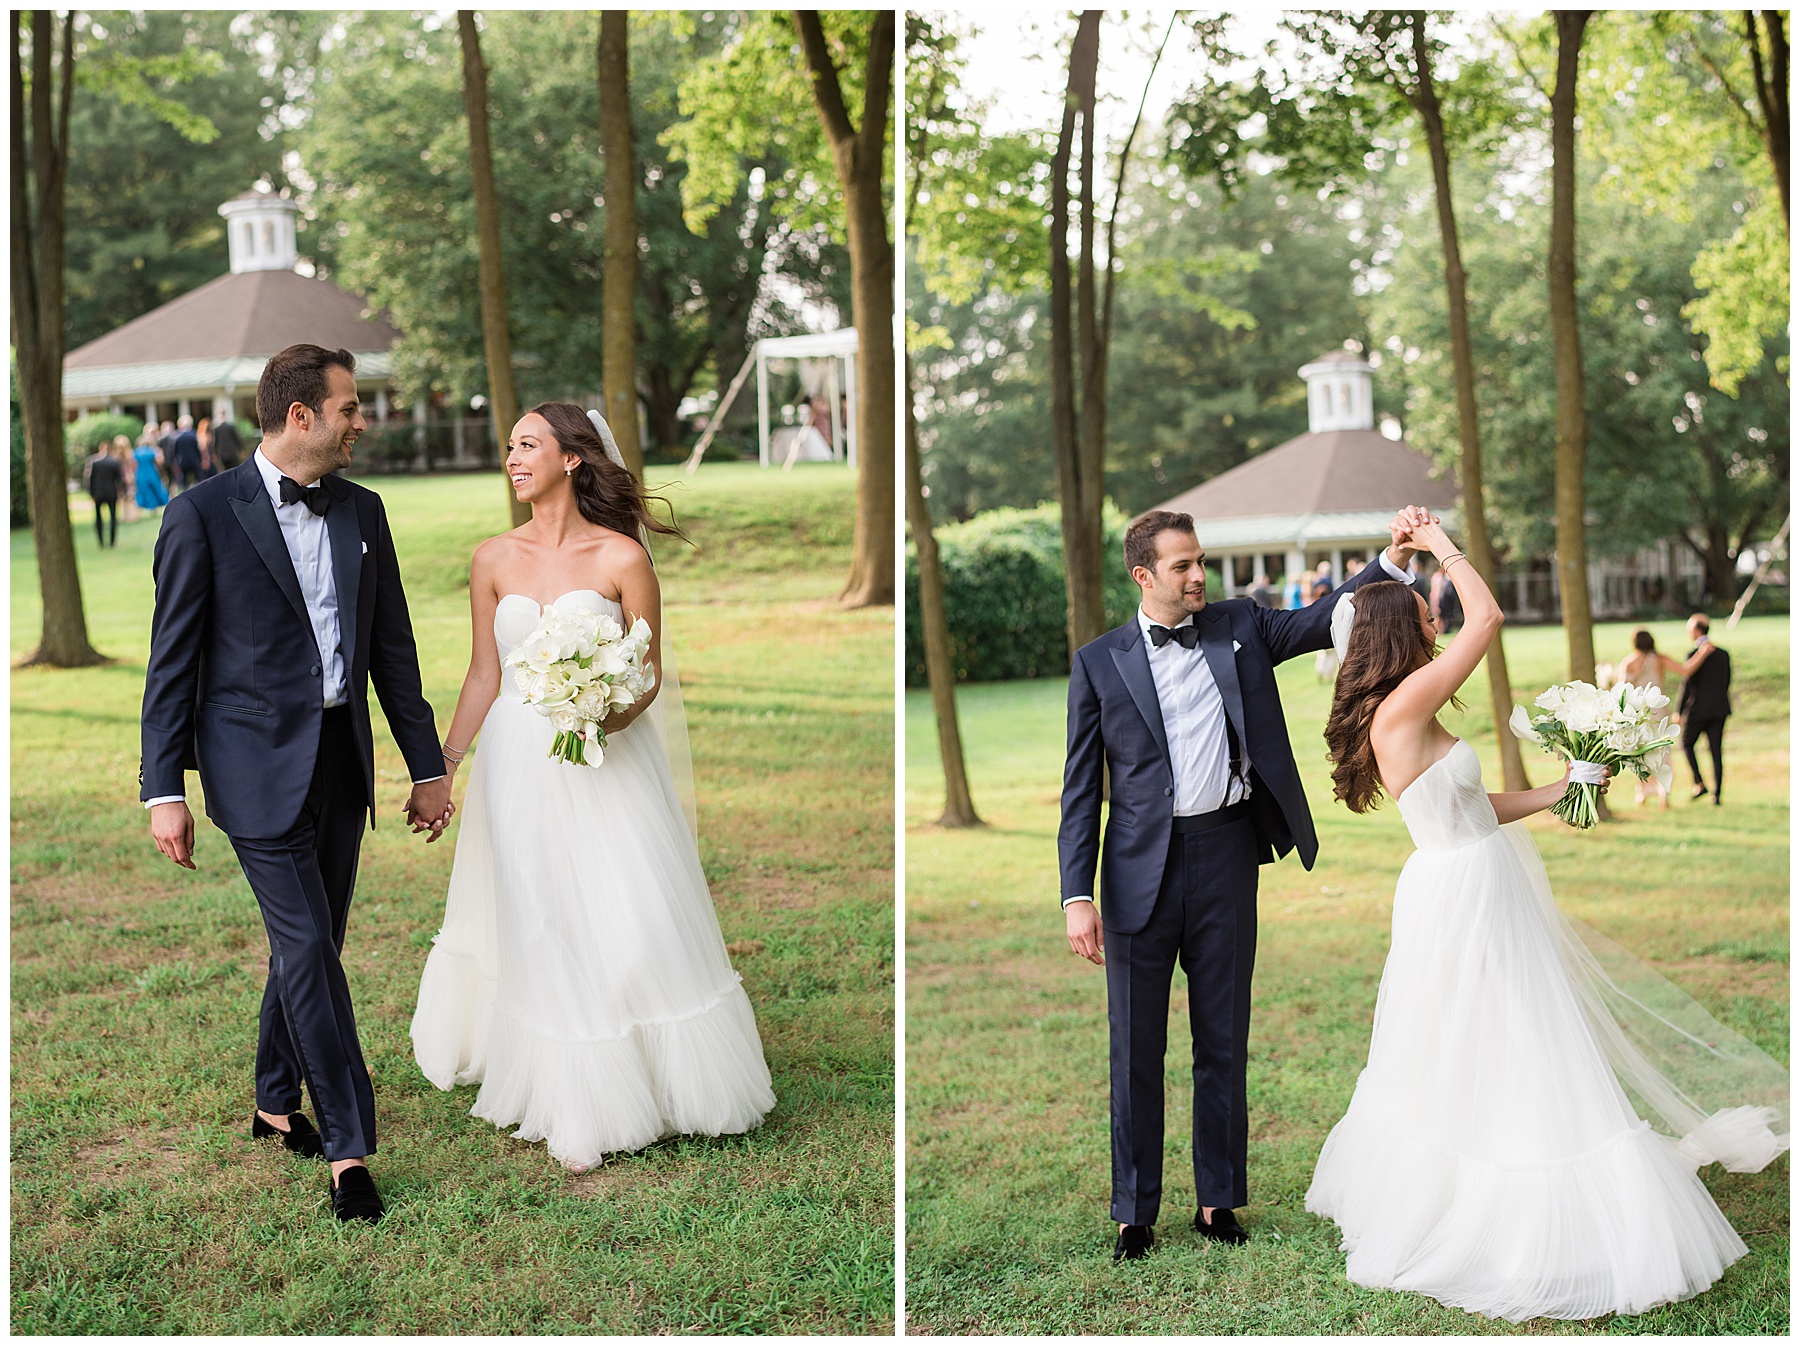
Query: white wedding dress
[1492, 1157]
[580, 977]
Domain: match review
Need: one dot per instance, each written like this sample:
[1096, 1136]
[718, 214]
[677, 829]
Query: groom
[1179, 709]
[277, 601]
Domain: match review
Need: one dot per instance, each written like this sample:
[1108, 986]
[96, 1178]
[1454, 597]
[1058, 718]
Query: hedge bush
[90, 432]
[1004, 596]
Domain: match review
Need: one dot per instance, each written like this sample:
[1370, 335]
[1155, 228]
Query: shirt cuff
[428, 779]
[1388, 565]
[165, 799]
[1083, 898]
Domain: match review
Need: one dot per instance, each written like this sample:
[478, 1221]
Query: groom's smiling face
[1176, 586]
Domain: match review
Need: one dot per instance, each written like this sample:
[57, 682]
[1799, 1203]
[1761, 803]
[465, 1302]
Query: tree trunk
[860, 156]
[503, 401]
[959, 805]
[620, 280]
[37, 323]
[1565, 330]
[1475, 529]
[940, 672]
[1078, 423]
[1772, 95]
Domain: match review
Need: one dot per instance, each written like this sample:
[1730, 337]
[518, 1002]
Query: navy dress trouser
[1205, 919]
[303, 881]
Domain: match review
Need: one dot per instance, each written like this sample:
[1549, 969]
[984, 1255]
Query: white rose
[563, 720]
[591, 703]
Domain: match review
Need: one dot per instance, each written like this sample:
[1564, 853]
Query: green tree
[613, 63]
[39, 185]
[143, 224]
[931, 57]
[503, 400]
[745, 118]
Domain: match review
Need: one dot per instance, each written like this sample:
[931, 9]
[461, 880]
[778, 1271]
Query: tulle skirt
[1491, 1157]
[580, 977]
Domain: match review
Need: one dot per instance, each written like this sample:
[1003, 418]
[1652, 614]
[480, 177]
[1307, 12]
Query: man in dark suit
[1179, 708]
[1704, 704]
[184, 452]
[227, 447]
[278, 601]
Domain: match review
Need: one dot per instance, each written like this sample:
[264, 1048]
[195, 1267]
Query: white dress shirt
[309, 546]
[1193, 712]
[1193, 715]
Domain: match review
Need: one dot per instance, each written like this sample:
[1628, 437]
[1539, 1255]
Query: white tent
[828, 367]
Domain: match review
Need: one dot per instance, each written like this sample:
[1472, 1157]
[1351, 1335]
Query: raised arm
[1297, 631]
[1419, 698]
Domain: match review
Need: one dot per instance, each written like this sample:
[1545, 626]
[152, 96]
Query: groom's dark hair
[1140, 538]
[298, 374]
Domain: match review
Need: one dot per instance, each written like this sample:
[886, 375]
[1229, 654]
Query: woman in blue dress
[151, 493]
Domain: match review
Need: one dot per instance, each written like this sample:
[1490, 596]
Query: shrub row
[1005, 599]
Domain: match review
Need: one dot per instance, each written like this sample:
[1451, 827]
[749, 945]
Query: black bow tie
[293, 493]
[1188, 635]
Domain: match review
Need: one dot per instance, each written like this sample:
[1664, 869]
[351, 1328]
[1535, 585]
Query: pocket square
[1236, 645]
[365, 547]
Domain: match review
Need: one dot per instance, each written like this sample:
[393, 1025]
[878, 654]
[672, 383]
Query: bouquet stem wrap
[1595, 732]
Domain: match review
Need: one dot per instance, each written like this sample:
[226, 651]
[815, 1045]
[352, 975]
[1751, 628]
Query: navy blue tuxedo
[233, 684]
[1169, 894]
[234, 688]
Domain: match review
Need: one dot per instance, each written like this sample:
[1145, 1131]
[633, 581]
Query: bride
[1494, 1155]
[580, 977]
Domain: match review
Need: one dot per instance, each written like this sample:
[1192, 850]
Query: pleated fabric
[580, 976]
[1490, 1157]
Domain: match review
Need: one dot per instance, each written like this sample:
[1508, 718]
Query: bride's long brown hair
[1387, 644]
[605, 493]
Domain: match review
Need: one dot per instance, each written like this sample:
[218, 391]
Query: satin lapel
[346, 563]
[1215, 643]
[1133, 662]
[256, 515]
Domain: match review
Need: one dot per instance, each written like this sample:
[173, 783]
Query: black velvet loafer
[1224, 1227]
[300, 1137]
[353, 1196]
[1134, 1242]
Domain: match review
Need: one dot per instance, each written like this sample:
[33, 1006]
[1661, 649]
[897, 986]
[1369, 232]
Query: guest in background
[183, 452]
[1320, 584]
[1294, 592]
[1705, 703]
[152, 493]
[121, 449]
[1446, 607]
[1646, 666]
[103, 474]
[227, 445]
[203, 433]
[1260, 591]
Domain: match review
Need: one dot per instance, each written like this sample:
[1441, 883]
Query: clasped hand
[429, 807]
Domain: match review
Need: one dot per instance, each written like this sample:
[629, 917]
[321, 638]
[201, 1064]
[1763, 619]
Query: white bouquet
[577, 666]
[1594, 730]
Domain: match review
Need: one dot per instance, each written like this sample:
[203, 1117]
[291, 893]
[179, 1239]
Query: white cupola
[260, 228]
[1340, 393]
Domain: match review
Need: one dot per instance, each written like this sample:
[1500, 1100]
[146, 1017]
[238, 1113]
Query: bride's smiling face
[534, 461]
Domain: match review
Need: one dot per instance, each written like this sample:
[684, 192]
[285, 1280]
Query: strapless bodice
[517, 617]
[1447, 806]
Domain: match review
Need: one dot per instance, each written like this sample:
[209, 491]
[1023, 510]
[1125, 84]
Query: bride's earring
[568, 469]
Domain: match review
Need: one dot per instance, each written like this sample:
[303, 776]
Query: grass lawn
[139, 1203]
[1008, 1174]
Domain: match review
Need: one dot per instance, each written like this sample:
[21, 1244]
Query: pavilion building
[202, 354]
[1329, 494]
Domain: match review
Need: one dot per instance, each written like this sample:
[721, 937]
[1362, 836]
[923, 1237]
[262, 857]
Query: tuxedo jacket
[1115, 719]
[233, 687]
[1707, 694]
